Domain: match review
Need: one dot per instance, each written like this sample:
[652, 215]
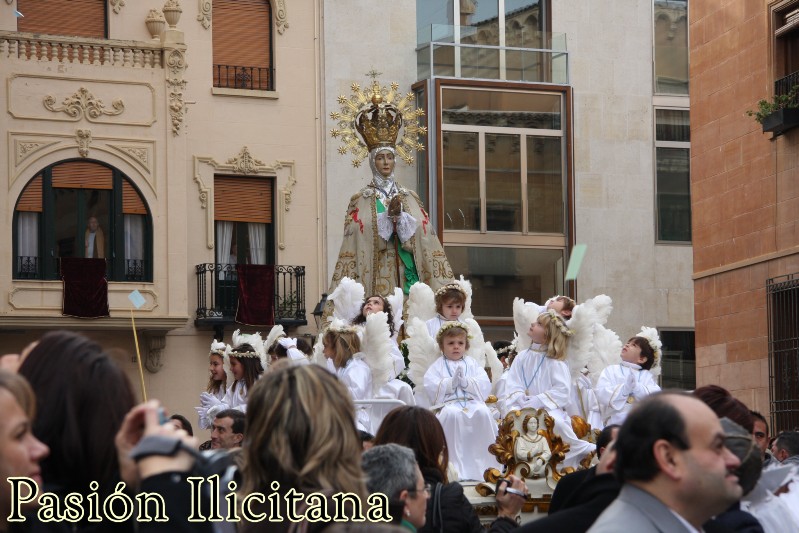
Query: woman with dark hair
[82, 396]
[448, 509]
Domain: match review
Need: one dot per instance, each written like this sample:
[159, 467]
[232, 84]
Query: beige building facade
[149, 124]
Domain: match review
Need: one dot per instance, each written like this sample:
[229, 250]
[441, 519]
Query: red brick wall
[744, 194]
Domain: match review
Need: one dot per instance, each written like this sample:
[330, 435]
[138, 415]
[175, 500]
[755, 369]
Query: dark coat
[596, 494]
[566, 487]
[456, 512]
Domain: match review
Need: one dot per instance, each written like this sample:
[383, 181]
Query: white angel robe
[537, 381]
[584, 404]
[615, 401]
[214, 398]
[236, 396]
[357, 377]
[468, 425]
[435, 323]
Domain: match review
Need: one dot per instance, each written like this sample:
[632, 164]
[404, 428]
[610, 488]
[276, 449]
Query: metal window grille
[782, 295]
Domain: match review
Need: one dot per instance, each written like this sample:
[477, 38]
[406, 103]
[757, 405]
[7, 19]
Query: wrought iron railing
[27, 268]
[782, 307]
[237, 77]
[218, 294]
[135, 270]
[784, 85]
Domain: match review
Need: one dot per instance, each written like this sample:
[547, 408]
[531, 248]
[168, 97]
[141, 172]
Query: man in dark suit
[568, 485]
[675, 469]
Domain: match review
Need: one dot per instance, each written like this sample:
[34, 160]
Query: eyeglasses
[427, 489]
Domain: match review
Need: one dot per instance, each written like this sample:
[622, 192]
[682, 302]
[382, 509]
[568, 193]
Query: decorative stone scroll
[83, 104]
[84, 139]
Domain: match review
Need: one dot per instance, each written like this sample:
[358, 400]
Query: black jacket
[457, 513]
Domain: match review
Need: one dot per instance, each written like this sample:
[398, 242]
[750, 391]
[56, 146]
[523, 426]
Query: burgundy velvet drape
[85, 287]
[256, 295]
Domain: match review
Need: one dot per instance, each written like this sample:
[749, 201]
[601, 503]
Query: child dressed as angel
[457, 387]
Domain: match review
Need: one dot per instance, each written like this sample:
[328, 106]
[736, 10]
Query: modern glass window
[504, 194]
[82, 209]
[678, 363]
[673, 175]
[671, 47]
[500, 38]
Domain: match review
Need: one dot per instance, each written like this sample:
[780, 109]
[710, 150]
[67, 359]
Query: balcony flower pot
[172, 11]
[781, 120]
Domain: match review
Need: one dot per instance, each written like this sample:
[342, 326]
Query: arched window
[82, 208]
[82, 18]
[242, 35]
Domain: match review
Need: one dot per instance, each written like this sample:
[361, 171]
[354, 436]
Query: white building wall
[611, 57]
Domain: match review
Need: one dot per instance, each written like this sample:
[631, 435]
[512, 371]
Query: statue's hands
[395, 207]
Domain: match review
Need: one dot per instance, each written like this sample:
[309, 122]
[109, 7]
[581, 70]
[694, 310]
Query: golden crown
[373, 118]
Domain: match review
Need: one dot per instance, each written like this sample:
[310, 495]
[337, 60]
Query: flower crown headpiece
[555, 317]
[652, 337]
[217, 348]
[451, 286]
[449, 325]
[342, 329]
[507, 349]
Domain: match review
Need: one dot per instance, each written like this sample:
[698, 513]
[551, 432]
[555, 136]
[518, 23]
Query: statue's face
[384, 162]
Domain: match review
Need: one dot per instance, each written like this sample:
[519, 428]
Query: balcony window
[242, 35]
[82, 209]
[81, 18]
[785, 21]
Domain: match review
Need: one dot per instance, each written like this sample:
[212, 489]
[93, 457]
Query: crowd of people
[289, 448]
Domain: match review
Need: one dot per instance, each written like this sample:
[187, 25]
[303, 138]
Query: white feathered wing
[347, 299]
[523, 318]
[376, 349]
[421, 302]
[422, 351]
[466, 285]
[396, 300]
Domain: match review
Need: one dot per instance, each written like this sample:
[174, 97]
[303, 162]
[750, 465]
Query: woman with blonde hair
[301, 435]
[20, 451]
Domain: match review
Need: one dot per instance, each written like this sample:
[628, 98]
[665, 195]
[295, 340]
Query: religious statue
[532, 447]
[389, 239]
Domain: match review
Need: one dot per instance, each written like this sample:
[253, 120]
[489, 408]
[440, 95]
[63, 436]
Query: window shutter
[83, 18]
[31, 198]
[82, 175]
[242, 37]
[243, 199]
[132, 202]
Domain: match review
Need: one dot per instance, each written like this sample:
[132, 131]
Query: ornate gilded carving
[84, 104]
[245, 163]
[84, 139]
[177, 106]
[204, 16]
[117, 5]
[281, 18]
[528, 446]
